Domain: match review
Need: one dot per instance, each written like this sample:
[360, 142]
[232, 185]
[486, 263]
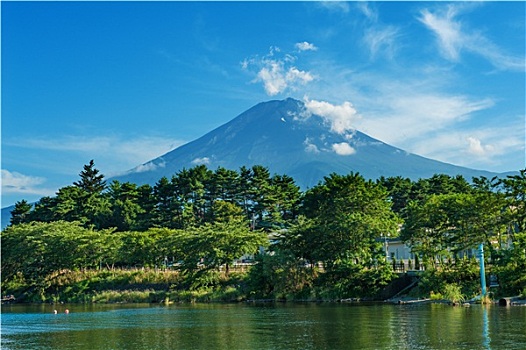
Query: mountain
[6, 216]
[286, 138]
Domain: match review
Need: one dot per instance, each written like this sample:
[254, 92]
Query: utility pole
[482, 270]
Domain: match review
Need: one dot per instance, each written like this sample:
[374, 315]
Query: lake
[263, 326]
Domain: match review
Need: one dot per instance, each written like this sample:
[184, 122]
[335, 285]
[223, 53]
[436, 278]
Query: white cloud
[199, 161]
[310, 147]
[150, 166]
[273, 78]
[341, 118]
[278, 74]
[343, 149]
[453, 38]
[14, 182]
[305, 46]
[477, 148]
[295, 75]
[277, 78]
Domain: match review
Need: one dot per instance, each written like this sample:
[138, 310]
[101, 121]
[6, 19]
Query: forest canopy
[322, 241]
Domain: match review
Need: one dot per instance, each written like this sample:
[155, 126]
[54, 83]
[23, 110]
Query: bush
[453, 293]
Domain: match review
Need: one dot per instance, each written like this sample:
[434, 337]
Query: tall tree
[90, 180]
[446, 224]
[243, 191]
[199, 176]
[284, 198]
[259, 187]
[93, 205]
[165, 209]
[124, 204]
[399, 190]
[514, 188]
[20, 213]
[349, 213]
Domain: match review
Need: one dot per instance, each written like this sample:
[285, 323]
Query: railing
[405, 266]
[398, 266]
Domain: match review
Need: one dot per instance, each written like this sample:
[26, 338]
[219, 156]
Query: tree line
[323, 242]
[192, 197]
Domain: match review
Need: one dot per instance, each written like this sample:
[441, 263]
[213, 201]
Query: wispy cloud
[150, 166]
[409, 115]
[17, 183]
[378, 37]
[335, 6]
[133, 150]
[381, 39]
[369, 12]
[489, 145]
[277, 70]
[453, 37]
[113, 154]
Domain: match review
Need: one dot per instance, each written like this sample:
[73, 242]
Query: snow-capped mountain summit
[288, 138]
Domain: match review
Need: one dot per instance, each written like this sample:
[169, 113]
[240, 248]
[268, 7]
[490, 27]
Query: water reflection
[269, 326]
[486, 340]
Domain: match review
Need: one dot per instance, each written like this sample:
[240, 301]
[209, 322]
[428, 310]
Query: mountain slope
[284, 137]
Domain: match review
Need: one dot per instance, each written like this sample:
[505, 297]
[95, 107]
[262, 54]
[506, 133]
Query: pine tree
[90, 179]
[20, 213]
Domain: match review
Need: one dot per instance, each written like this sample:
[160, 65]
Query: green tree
[227, 212]
[259, 188]
[199, 176]
[20, 213]
[141, 249]
[349, 213]
[213, 245]
[91, 180]
[165, 207]
[44, 210]
[40, 251]
[146, 201]
[446, 224]
[69, 205]
[285, 197]
[514, 188]
[400, 192]
[511, 267]
[124, 205]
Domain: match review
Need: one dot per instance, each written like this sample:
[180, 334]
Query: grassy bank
[171, 286]
[130, 286]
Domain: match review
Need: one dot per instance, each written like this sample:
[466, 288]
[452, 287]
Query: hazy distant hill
[280, 136]
[6, 216]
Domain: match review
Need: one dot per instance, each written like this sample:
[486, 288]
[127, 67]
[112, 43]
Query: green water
[274, 326]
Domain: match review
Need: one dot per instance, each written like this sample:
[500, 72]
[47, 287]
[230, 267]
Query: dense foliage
[319, 244]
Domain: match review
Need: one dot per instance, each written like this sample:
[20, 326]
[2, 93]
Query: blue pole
[482, 270]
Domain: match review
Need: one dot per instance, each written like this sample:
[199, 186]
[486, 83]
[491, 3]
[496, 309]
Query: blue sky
[125, 82]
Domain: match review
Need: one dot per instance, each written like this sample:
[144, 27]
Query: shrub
[453, 293]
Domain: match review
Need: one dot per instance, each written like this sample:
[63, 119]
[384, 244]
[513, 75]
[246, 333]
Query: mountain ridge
[283, 136]
[280, 135]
